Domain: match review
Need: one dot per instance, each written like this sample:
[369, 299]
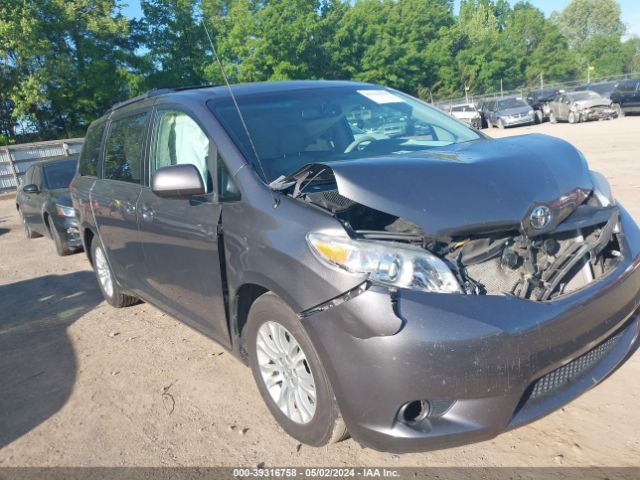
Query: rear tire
[271, 323]
[106, 281]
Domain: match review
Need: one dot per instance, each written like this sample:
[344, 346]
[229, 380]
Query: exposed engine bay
[582, 248]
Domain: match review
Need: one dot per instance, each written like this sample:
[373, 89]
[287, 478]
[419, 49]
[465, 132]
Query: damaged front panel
[537, 258]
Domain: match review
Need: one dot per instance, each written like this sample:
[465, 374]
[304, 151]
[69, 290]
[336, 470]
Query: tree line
[64, 62]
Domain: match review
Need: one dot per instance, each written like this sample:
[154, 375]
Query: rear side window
[88, 163]
[124, 149]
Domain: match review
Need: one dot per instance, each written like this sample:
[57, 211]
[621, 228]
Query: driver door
[180, 236]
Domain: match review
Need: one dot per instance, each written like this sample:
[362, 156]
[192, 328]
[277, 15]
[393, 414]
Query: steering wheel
[358, 141]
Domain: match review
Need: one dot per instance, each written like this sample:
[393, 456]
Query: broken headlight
[386, 264]
[602, 189]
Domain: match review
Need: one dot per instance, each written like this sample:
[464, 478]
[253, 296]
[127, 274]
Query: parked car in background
[468, 113]
[419, 291]
[509, 112]
[574, 107]
[604, 89]
[45, 207]
[626, 97]
[539, 101]
[482, 111]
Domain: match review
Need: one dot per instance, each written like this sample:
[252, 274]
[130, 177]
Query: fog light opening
[412, 413]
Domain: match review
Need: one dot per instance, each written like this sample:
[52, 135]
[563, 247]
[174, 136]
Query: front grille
[573, 370]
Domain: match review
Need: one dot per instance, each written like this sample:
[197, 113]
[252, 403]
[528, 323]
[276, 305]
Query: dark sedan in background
[626, 97]
[44, 204]
[539, 101]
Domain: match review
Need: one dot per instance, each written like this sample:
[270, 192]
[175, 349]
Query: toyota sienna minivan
[417, 289]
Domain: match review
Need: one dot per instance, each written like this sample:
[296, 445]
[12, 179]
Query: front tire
[500, 124]
[573, 118]
[61, 247]
[290, 375]
[109, 288]
[552, 118]
[618, 109]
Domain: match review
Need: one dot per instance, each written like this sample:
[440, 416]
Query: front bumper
[512, 122]
[504, 361]
[69, 231]
[597, 114]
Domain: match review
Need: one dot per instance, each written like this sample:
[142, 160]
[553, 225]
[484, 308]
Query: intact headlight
[64, 211]
[391, 265]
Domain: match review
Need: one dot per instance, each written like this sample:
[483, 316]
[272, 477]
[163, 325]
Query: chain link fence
[16, 159]
[522, 91]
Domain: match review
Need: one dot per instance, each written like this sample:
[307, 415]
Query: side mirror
[30, 188]
[177, 181]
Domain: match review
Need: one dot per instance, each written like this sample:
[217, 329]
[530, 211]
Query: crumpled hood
[474, 187]
[596, 102]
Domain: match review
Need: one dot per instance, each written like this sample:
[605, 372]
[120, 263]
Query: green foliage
[583, 20]
[64, 62]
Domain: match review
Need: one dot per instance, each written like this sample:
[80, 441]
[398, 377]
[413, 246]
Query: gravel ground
[85, 384]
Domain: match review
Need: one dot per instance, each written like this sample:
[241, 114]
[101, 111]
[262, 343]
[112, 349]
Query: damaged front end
[557, 248]
[581, 250]
[590, 112]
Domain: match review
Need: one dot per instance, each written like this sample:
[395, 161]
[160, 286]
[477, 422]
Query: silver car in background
[575, 107]
[467, 113]
[509, 112]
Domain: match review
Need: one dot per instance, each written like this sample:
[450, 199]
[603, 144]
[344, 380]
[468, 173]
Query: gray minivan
[418, 289]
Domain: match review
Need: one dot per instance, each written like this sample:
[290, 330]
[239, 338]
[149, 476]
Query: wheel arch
[242, 298]
[87, 238]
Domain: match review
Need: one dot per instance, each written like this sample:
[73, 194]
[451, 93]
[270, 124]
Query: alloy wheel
[104, 273]
[285, 372]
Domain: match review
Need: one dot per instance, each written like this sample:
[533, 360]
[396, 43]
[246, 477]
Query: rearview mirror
[177, 181]
[30, 188]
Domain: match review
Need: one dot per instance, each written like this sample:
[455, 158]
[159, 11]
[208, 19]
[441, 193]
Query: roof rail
[154, 93]
[139, 98]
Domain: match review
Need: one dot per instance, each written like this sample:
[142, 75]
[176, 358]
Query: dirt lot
[84, 384]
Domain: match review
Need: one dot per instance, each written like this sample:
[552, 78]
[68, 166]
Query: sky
[630, 11]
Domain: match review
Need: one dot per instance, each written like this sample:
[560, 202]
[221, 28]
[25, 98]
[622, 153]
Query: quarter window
[227, 189]
[124, 149]
[178, 140]
[88, 163]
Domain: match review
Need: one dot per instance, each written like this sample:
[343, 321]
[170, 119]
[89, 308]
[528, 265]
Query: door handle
[147, 213]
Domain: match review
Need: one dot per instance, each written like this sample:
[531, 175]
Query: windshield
[59, 174]
[290, 129]
[511, 103]
[586, 95]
